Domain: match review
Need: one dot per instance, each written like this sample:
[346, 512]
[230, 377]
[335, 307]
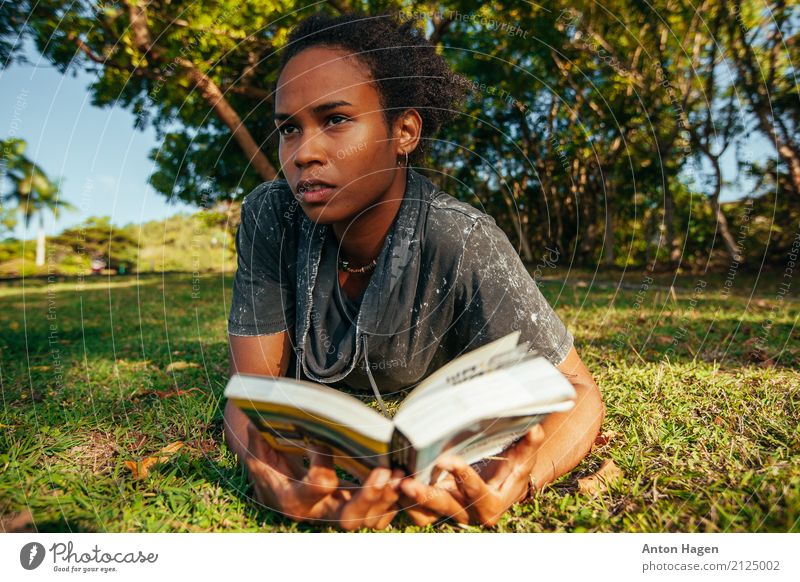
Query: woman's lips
[318, 194]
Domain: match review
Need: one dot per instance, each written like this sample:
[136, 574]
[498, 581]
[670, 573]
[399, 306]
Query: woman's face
[332, 129]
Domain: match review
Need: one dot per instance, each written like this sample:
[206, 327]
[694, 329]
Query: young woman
[357, 272]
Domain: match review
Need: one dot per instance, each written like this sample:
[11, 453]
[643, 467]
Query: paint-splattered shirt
[447, 281]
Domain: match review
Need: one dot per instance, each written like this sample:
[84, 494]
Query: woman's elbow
[591, 400]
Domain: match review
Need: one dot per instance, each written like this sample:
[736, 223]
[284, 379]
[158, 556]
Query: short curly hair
[405, 66]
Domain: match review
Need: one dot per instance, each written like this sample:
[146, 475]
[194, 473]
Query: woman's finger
[260, 449]
[435, 499]
[320, 479]
[523, 452]
[527, 446]
[381, 513]
[517, 480]
[421, 516]
[385, 520]
[386, 505]
[259, 467]
[355, 512]
[471, 485]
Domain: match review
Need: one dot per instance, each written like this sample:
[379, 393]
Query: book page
[463, 415]
[293, 414]
[465, 367]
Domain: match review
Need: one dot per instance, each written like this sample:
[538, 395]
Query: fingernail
[382, 479]
[446, 464]
[394, 483]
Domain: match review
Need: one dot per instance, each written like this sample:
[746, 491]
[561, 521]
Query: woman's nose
[310, 150]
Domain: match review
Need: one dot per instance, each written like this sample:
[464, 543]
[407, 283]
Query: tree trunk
[558, 211]
[752, 76]
[40, 246]
[208, 89]
[525, 243]
[786, 152]
[524, 222]
[214, 97]
[673, 249]
[608, 231]
[722, 222]
[793, 162]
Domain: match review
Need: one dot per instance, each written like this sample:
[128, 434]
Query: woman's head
[354, 95]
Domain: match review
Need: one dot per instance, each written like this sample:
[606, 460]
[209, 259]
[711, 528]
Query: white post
[40, 247]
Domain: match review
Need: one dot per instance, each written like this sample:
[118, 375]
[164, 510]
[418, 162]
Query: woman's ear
[408, 131]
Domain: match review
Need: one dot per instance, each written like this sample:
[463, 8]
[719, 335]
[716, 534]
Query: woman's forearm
[569, 435]
[235, 429]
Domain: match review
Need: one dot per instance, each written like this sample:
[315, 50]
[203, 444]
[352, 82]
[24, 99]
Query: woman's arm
[264, 355]
[482, 494]
[569, 435]
[281, 481]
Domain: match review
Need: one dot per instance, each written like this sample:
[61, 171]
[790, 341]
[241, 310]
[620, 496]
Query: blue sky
[103, 159]
[100, 156]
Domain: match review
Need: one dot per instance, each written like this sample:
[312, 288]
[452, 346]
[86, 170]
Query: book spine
[402, 454]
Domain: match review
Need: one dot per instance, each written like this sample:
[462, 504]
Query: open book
[475, 406]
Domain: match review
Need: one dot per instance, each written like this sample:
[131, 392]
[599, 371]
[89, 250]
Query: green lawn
[702, 396]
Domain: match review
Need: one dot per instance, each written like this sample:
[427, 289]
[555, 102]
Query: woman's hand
[317, 494]
[465, 496]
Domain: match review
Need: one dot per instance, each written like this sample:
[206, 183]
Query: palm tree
[31, 190]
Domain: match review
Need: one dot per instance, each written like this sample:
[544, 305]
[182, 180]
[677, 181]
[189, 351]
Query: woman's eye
[337, 117]
[283, 128]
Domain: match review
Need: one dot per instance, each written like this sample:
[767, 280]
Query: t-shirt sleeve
[498, 296]
[263, 299]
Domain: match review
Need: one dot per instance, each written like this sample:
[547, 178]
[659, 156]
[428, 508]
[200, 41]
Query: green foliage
[578, 134]
[201, 242]
[13, 248]
[12, 17]
[31, 191]
[97, 239]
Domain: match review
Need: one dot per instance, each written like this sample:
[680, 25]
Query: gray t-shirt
[447, 281]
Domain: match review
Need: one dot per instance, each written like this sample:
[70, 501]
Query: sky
[97, 152]
[103, 161]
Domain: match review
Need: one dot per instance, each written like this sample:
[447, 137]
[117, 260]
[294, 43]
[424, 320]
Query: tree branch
[440, 26]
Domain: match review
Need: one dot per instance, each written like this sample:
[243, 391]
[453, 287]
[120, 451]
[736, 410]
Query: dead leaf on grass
[599, 481]
[603, 439]
[204, 446]
[141, 469]
[178, 366]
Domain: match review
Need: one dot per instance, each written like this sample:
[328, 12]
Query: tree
[583, 124]
[31, 190]
[765, 44]
[716, 125]
[96, 238]
[12, 18]
[195, 71]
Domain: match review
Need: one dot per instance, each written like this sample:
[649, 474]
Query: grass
[705, 413]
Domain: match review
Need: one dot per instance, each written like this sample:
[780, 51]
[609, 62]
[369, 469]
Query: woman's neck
[361, 239]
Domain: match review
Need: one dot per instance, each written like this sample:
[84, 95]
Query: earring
[398, 161]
